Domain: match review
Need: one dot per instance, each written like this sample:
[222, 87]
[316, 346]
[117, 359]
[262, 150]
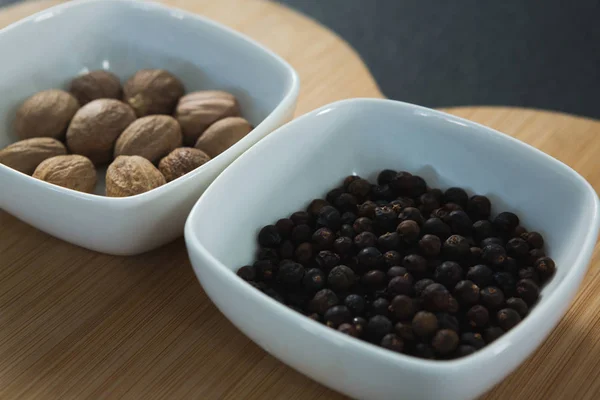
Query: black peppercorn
[401, 203]
[388, 241]
[517, 248]
[423, 350]
[493, 254]
[420, 285]
[481, 275]
[508, 318]
[491, 297]
[304, 253]
[355, 303]
[347, 231]
[343, 245]
[380, 306]
[511, 266]
[506, 222]
[323, 238]
[359, 188]
[247, 273]
[374, 280]
[506, 282]
[534, 239]
[327, 259]
[448, 274]
[392, 258]
[456, 248]
[482, 229]
[545, 268]
[491, 240]
[348, 329]
[478, 316]
[528, 291]
[367, 210]
[268, 253]
[445, 341]
[264, 270]
[315, 206]
[492, 333]
[466, 292]
[479, 207]
[323, 300]
[385, 177]
[408, 231]
[314, 279]
[518, 305]
[382, 192]
[392, 342]
[436, 297]
[402, 284]
[269, 236]
[284, 227]
[364, 240]
[534, 255]
[360, 323]
[346, 202]
[453, 305]
[370, 257]
[405, 331]
[415, 264]
[377, 327]
[329, 217]
[402, 183]
[428, 202]
[301, 218]
[435, 226]
[333, 194]
[301, 233]
[348, 218]
[529, 273]
[460, 223]
[474, 257]
[286, 250]
[430, 245]
[411, 214]
[472, 339]
[402, 307]
[337, 315]
[290, 273]
[424, 324]
[363, 224]
[385, 218]
[456, 195]
[448, 321]
[340, 278]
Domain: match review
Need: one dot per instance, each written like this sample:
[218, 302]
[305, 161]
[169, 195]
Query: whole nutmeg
[95, 85]
[153, 91]
[181, 161]
[26, 155]
[71, 171]
[96, 127]
[131, 175]
[222, 135]
[45, 114]
[151, 137]
[198, 110]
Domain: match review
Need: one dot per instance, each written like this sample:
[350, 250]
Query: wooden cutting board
[77, 324]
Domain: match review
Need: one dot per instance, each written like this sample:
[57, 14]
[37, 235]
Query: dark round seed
[315, 206]
[301, 233]
[456, 195]
[402, 284]
[348, 180]
[297, 298]
[448, 274]
[475, 256]
[510, 265]
[491, 240]
[346, 202]
[392, 258]
[323, 300]
[405, 331]
[419, 186]
[347, 230]
[377, 327]
[365, 239]
[374, 280]
[517, 248]
[481, 275]
[247, 273]
[479, 207]
[274, 294]
[388, 241]
[269, 236]
[382, 192]
[333, 194]
[472, 339]
[301, 218]
[482, 229]
[286, 249]
[492, 333]
[429, 202]
[402, 307]
[464, 350]
[435, 226]
[402, 183]
[363, 224]
[337, 315]
[367, 210]
[436, 297]
[423, 350]
[493, 254]
[508, 318]
[424, 324]
[348, 218]
[447, 321]
[518, 305]
[430, 245]
[385, 218]
[304, 253]
[327, 259]
[323, 239]
[528, 291]
[341, 278]
[370, 257]
[380, 306]
[491, 297]
[408, 231]
[466, 292]
[420, 286]
[359, 188]
[267, 253]
[329, 217]
[360, 323]
[290, 273]
[343, 245]
[355, 303]
[415, 264]
[534, 255]
[506, 222]
[460, 223]
[545, 268]
[314, 317]
[534, 239]
[401, 203]
[265, 270]
[284, 227]
[392, 342]
[411, 214]
[506, 282]
[385, 176]
[445, 341]
[396, 271]
[456, 248]
[478, 316]
[529, 273]
[314, 279]
[348, 329]
[453, 305]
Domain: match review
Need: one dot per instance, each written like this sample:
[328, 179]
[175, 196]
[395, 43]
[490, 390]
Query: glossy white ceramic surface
[303, 159]
[48, 49]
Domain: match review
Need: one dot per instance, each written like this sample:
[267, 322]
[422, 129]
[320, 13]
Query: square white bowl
[48, 49]
[312, 154]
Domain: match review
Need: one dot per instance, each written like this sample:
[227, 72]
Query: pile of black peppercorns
[415, 270]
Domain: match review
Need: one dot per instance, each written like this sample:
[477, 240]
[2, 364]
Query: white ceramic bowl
[48, 49]
[312, 154]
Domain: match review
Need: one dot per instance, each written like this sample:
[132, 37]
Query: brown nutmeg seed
[45, 114]
[70, 171]
[181, 161]
[222, 135]
[95, 85]
[153, 91]
[198, 110]
[151, 137]
[96, 127]
[26, 155]
[131, 175]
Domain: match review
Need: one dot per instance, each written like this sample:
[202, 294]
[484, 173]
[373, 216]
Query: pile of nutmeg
[139, 129]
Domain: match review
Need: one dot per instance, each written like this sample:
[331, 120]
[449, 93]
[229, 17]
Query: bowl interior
[49, 49]
[311, 155]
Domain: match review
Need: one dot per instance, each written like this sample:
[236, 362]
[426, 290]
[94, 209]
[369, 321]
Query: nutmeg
[96, 127]
[45, 114]
[222, 135]
[181, 161]
[26, 155]
[95, 85]
[151, 137]
[198, 110]
[131, 175]
[70, 171]
[153, 91]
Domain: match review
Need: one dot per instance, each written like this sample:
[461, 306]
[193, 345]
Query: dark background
[530, 53]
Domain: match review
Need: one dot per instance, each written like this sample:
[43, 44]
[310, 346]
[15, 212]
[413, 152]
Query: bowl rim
[290, 94]
[553, 300]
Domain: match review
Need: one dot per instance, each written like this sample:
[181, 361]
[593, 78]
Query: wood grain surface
[77, 324]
